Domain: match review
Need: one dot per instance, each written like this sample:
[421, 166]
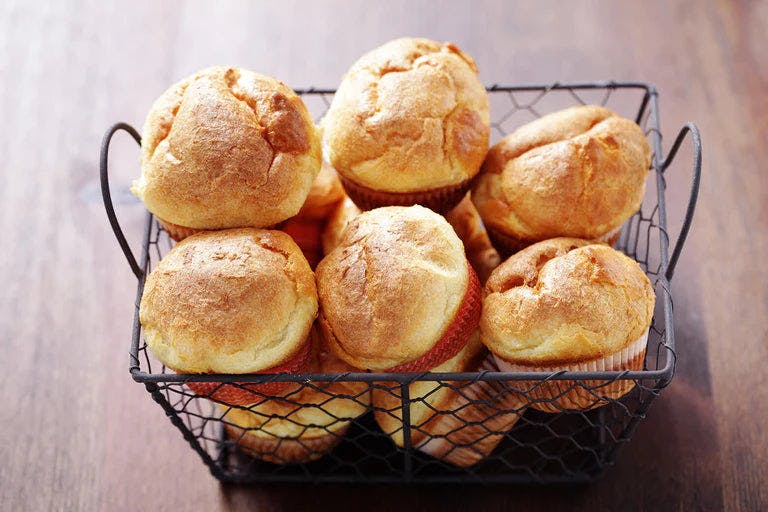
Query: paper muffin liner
[456, 335]
[558, 395]
[307, 235]
[474, 423]
[279, 450]
[507, 245]
[440, 200]
[246, 393]
[177, 232]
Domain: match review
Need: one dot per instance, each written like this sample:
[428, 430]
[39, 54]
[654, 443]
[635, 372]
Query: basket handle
[696, 179]
[107, 196]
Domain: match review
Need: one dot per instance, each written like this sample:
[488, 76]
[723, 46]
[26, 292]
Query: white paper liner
[562, 394]
[459, 441]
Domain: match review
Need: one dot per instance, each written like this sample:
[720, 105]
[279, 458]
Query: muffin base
[557, 395]
[178, 233]
[440, 200]
[285, 450]
[475, 422]
[245, 393]
[507, 245]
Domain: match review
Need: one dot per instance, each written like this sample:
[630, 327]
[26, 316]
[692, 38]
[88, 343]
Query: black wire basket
[542, 447]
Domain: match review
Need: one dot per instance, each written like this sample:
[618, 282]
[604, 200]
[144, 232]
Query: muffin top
[232, 301]
[408, 116]
[565, 301]
[392, 287]
[578, 172]
[227, 148]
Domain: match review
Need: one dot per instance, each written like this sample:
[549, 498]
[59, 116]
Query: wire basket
[542, 447]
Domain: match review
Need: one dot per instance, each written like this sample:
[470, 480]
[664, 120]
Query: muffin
[235, 301]
[409, 124]
[306, 423]
[345, 211]
[469, 227]
[398, 294]
[306, 228]
[458, 422]
[226, 148]
[579, 172]
[568, 305]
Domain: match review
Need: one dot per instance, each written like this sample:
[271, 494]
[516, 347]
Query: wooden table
[77, 434]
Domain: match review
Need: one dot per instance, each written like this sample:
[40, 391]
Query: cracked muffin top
[227, 148]
[578, 172]
[392, 287]
[231, 301]
[564, 301]
[411, 115]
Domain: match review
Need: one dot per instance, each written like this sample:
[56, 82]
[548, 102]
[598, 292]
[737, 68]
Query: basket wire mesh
[530, 445]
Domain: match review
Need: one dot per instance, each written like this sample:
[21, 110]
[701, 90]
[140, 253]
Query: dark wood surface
[77, 434]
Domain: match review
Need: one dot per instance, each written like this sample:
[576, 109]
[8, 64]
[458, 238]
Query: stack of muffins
[373, 254]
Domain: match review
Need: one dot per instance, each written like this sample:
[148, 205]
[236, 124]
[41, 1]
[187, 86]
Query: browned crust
[470, 229]
[564, 301]
[345, 211]
[232, 301]
[579, 172]
[226, 148]
[393, 286]
[325, 194]
[410, 115]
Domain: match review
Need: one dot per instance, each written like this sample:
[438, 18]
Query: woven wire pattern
[528, 445]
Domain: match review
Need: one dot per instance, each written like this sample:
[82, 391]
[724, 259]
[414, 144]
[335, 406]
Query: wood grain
[78, 434]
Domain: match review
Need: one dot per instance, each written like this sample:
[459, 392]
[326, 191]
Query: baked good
[227, 148]
[409, 124]
[233, 301]
[326, 192]
[345, 211]
[579, 172]
[398, 294]
[458, 422]
[469, 227]
[305, 423]
[568, 304]
[307, 226]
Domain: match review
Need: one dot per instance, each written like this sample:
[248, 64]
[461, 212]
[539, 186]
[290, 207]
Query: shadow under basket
[542, 447]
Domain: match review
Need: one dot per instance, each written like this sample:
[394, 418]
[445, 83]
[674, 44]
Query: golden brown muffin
[579, 172]
[345, 211]
[409, 124]
[459, 422]
[307, 226]
[568, 304]
[233, 301]
[308, 421]
[325, 194]
[469, 227]
[398, 293]
[227, 148]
